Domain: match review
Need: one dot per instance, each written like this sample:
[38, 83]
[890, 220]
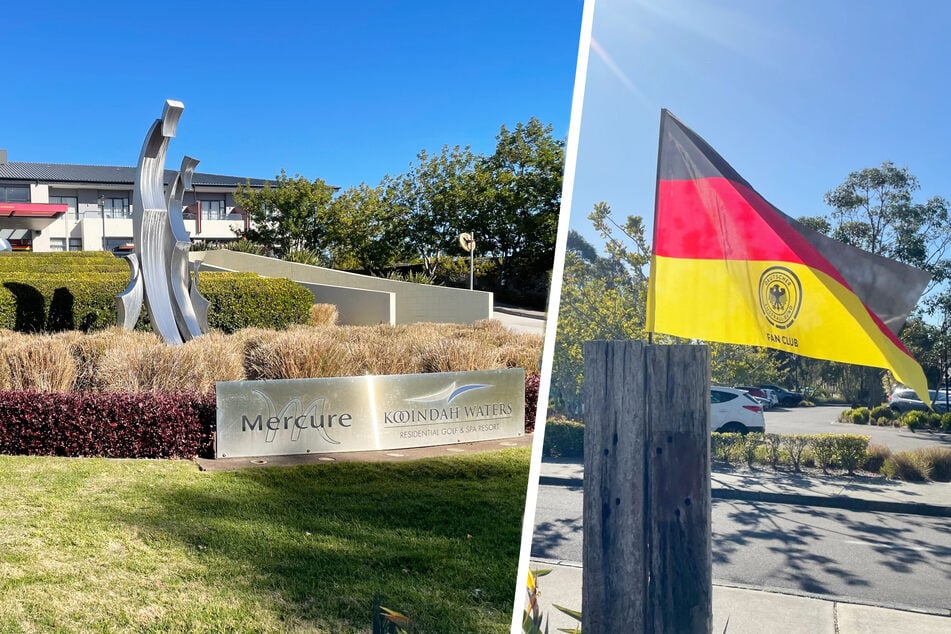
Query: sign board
[365, 413]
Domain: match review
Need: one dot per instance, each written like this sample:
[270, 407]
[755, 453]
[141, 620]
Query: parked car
[758, 395]
[771, 395]
[904, 399]
[733, 410]
[786, 398]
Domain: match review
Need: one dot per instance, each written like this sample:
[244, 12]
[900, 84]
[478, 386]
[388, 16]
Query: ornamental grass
[117, 360]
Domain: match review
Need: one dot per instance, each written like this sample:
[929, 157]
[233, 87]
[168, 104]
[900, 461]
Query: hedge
[111, 425]
[563, 439]
[50, 292]
[244, 300]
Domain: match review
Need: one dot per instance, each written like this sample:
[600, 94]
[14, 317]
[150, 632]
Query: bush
[532, 381]
[938, 460]
[245, 300]
[916, 419]
[946, 421]
[563, 439]
[796, 446]
[305, 256]
[751, 442]
[880, 413]
[244, 245]
[850, 451]
[52, 292]
[727, 447]
[875, 457]
[906, 465]
[772, 444]
[108, 425]
[859, 416]
[823, 450]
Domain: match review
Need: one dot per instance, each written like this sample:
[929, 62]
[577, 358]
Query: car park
[904, 399]
[786, 398]
[733, 410]
[771, 395]
[758, 395]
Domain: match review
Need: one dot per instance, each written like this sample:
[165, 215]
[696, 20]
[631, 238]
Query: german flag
[728, 266]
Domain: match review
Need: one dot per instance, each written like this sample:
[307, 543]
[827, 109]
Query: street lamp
[467, 242]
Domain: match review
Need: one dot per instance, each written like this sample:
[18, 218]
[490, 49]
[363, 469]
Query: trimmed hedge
[51, 292]
[245, 300]
[110, 425]
[563, 439]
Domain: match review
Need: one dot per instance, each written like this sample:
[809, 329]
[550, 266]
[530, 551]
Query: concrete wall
[413, 302]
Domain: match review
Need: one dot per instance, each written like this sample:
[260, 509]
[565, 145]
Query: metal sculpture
[159, 264]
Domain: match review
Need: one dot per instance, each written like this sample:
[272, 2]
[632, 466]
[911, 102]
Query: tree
[601, 298]
[435, 198]
[518, 192]
[368, 232]
[293, 215]
[874, 209]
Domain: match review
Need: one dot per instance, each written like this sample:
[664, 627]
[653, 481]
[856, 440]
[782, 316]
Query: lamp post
[467, 242]
[102, 214]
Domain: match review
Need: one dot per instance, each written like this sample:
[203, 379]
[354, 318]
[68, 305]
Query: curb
[836, 502]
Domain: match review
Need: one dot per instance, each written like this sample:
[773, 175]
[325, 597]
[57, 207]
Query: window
[71, 202]
[116, 208]
[14, 193]
[57, 244]
[117, 243]
[716, 396]
[75, 244]
[214, 210]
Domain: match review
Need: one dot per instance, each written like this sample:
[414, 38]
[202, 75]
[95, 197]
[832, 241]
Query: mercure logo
[294, 417]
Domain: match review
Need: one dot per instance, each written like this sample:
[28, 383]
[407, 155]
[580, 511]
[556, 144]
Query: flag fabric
[728, 266]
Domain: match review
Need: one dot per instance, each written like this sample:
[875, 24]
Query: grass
[157, 546]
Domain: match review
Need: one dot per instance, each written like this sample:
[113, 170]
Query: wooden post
[647, 547]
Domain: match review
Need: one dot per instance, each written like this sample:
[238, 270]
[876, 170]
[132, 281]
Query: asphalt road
[885, 559]
[876, 558]
[824, 420]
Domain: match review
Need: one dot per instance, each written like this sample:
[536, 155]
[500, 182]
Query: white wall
[414, 302]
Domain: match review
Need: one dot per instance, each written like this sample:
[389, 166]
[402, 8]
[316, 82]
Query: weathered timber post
[647, 547]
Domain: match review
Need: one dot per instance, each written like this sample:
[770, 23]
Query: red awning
[31, 210]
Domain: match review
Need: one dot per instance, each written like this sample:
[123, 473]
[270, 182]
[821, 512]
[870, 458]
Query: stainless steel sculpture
[159, 265]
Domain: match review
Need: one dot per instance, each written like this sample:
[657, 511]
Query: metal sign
[300, 416]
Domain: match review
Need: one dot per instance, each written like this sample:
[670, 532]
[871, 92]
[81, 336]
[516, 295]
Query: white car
[733, 410]
[772, 395]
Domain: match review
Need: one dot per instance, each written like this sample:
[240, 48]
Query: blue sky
[346, 92]
[795, 95]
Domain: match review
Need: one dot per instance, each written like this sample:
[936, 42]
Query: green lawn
[158, 546]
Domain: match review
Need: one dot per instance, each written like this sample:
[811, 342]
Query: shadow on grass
[437, 539]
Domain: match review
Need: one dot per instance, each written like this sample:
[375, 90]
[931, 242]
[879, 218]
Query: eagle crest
[777, 297]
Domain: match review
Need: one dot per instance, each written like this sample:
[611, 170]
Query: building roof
[106, 174]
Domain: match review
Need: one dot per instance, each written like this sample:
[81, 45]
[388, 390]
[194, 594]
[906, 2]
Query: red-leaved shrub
[531, 400]
[111, 425]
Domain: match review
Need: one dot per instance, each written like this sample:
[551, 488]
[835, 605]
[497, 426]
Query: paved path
[754, 610]
[520, 319]
[751, 611]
